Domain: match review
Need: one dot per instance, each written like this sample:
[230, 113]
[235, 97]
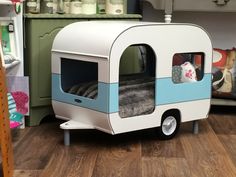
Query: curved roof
[94, 38]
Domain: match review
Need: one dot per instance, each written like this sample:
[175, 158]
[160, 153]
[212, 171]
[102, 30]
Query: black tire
[170, 123]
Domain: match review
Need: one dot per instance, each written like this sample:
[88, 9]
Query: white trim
[188, 112]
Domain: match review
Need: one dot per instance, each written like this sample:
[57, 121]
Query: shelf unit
[6, 2]
[7, 13]
[168, 7]
[79, 17]
[192, 5]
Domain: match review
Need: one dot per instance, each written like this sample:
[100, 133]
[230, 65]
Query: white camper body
[92, 51]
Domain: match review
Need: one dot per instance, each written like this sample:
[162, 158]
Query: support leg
[67, 137]
[168, 10]
[195, 127]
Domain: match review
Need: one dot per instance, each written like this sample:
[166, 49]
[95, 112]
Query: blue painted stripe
[167, 92]
[108, 99]
[114, 98]
[105, 102]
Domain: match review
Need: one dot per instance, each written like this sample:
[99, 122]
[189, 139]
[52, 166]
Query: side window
[187, 67]
[79, 77]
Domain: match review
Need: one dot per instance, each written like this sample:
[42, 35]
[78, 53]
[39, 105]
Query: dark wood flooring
[39, 151]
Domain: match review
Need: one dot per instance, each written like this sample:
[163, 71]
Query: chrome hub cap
[169, 125]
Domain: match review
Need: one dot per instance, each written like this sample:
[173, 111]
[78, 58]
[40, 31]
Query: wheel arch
[174, 112]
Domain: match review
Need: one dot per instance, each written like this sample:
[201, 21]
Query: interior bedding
[136, 95]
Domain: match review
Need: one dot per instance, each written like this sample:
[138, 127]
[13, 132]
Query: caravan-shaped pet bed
[124, 76]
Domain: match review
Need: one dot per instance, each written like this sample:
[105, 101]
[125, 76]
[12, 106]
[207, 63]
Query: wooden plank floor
[39, 151]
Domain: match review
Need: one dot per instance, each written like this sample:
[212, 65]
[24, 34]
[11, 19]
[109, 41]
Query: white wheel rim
[169, 125]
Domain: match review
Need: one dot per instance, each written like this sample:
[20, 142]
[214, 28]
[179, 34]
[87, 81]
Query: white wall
[220, 26]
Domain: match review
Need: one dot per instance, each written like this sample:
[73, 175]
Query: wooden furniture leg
[5, 134]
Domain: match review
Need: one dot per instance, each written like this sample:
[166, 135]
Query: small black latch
[78, 101]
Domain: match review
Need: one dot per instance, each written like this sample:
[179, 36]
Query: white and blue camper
[121, 76]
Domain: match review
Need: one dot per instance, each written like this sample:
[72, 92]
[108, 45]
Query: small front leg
[195, 127]
[67, 137]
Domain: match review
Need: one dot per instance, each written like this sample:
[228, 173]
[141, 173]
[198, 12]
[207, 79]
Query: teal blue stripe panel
[167, 92]
[114, 98]
[106, 101]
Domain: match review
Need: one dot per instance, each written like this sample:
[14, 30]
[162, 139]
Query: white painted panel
[56, 63]
[166, 40]
[188, 112]
[90, 37]
[103, 65]
[122, 125]
[194, 110]
[96, 119]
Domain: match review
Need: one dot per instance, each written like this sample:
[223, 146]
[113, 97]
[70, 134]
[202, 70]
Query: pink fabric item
[15, 1]
[188, 73]
[14, 124]
[21, 100]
